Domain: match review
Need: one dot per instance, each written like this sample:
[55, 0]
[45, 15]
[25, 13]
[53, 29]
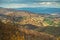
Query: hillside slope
[31, 26]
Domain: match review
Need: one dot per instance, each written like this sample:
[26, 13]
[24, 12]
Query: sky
[29, 3]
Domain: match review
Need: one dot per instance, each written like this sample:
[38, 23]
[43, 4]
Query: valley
[23, 25]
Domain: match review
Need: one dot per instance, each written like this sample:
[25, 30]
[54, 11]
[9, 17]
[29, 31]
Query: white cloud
[45, 3]
[41, 4]
[48, 4]
[14, 5]
[17, 5]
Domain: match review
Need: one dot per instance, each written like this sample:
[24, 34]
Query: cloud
[27, 1]
[32, 5]
[17, 5]
[45, 3]
[49, 4]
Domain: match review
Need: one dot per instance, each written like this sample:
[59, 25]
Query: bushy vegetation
[49, 21]
[11, 32]
[50, 30]
[20, 25]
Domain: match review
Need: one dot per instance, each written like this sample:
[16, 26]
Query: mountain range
[32, 26]
[41, 10]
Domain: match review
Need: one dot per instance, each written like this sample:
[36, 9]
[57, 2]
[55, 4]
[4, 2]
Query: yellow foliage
[58, 38]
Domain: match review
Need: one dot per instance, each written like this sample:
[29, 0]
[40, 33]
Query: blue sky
[29, 3]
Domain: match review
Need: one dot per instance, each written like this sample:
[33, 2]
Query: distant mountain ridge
[41, 10]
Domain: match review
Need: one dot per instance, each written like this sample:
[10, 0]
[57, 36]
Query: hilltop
[30, 18]
[44, 25]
